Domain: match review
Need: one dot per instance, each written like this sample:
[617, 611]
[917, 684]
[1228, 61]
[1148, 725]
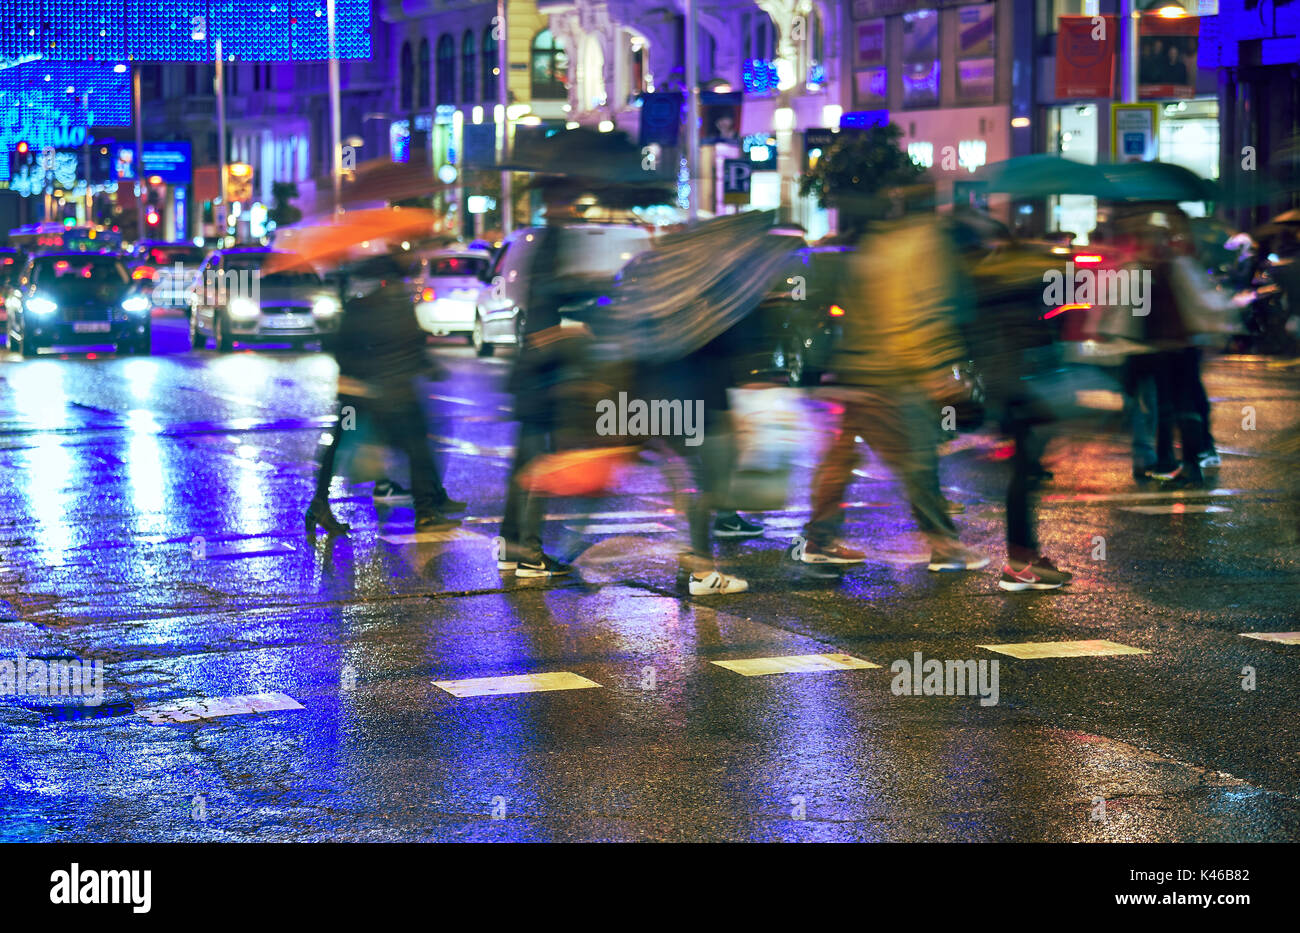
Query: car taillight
[837, 311]
[1078, 306]
[428, 294]
[1085, 259]
[143, 272]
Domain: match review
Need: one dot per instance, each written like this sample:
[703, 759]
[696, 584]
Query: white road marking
[795, 664]
[1168, 495]
[1032, 650]
[634, 528]
[160, 714]
[426, 537]
[1174, 508]
[517, 683]
[1284, 638]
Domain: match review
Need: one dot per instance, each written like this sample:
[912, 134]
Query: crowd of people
[924, 296]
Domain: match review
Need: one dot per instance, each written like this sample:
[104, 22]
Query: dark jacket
[380, 343]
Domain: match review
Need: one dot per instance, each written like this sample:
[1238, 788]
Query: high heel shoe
[318, 513]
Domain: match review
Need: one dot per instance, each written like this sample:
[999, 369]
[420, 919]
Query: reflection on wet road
[392, 685]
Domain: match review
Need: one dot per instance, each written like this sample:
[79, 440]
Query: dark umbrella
[583, 161]
[691, 287]
[1037, 176]
[1157, 181]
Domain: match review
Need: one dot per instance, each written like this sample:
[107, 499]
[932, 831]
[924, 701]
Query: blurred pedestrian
[540, 363]
[382, 359]
[900, 344]
[1019, 357]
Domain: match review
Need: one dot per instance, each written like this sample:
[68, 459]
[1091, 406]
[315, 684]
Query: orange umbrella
[329, 243]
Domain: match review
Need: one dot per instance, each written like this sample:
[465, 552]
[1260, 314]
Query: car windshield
[100, 277]
[292, 275]
[168, 255]
[471, 266]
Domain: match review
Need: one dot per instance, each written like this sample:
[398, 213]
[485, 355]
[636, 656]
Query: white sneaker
[957, 558]
[507, 565]
[717, 584]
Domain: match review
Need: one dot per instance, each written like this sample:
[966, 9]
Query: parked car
[447, 284]
[799, 324]
[594, 252]
[76, 299]
[11, 264]
[232, 300]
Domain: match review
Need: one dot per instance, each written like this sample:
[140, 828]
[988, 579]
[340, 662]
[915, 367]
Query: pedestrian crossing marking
[795, 664]
[1169, 495]
[425, 537]
[161, 714]
[1285, 638]
[515, 683]
[630, 528]
[1032, 650]
[1174, 508]
[247, 548]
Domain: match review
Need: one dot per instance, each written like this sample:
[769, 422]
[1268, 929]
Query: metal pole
[336, 118]
[139, 148]
[692, 112]
[85, 157]
[1129, 50]
[503, 98]
[220, 214]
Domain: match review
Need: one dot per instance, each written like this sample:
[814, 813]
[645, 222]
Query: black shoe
[542, 566]
[318, 513]
[388, 491]
[1182, 479]
[448, 504]
[736, 525]
[434, 521]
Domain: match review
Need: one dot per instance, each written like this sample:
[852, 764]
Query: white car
[586, 251]
[447, 287]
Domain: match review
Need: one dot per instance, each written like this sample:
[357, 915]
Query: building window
[468, 76]
[446, 70]
[550, 68]
[408, 67]
[423, 82]
[490, 65]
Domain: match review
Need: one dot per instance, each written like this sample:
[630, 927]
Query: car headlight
[243, 309]
[42, 306]
[136, 304]
[325, 307]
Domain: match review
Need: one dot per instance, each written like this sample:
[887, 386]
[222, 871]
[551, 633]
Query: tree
[282, 213]
[855, 171]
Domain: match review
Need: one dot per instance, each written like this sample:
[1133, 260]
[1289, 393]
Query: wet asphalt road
[110, 468]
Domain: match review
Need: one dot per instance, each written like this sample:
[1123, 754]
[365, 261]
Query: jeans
[902, 428]
[521, 526]
[400, 422]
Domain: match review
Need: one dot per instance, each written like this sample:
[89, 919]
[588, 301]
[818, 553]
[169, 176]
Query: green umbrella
[1157, 181]
[1037, 176]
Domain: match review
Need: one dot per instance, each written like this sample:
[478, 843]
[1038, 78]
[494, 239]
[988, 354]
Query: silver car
[232, 300]
[446, 289]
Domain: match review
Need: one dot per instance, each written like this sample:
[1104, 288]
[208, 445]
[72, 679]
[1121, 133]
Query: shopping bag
[363, 455]
[577, 473]
[771, 429]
